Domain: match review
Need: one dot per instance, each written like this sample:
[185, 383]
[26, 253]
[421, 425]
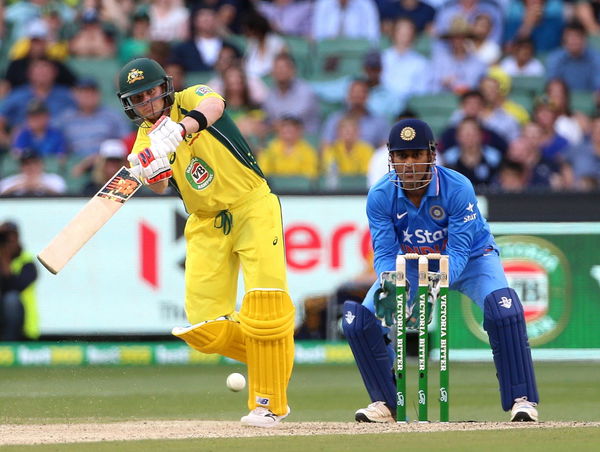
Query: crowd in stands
[511, 88]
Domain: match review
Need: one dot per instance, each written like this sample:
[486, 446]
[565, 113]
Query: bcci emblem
[539, 272]
[408, 134]
[437, 212]
[199, 174]
[135, 75]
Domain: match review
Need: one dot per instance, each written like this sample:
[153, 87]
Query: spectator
[552, 144]
[540, 20]
[468, 10]
[542, 173]
[288, 17]
[568, 124]
[200, 53]
[485, 48]
[118, 13]
[585, 160]
[111, 156]
[230, 56]
[88, 125]
[575, 62]
[137, 43]
[347, 155]
[93, 40]
[380, 99]
[500, 97]
[41, 76]
[38, 134]
[588, 13]
[456, 68]
[177, 73]
[37, 44]
[472, 105]
[404, 71]
[291, 96]
[470, 157]
[160, 51]
[262, 45]
[289, 154]
[521, 61]
[31, 179]
[169, 21]
[419, 13]
[229, 13]
[345, 19]
[19, 318]
[512, 177]
[372, 128]
[21, 13]
[245, 113]
[495, 116]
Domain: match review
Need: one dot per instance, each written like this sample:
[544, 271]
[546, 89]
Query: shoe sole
[361, 417]
[523, 416]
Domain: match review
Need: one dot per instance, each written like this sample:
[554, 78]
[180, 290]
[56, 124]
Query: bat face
[89, 220]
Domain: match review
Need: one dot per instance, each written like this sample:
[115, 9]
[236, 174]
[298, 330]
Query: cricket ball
[236, 382]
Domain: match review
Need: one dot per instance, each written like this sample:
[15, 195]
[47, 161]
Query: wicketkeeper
[419, 207]
[187, 140]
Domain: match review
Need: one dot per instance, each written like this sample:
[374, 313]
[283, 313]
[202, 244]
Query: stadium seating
[335, 58]
[105, 71]
[584, 102]
[440, 104]
[344, 184]
[198, 78]
[300, 49]
[527, 85]
[291, 184]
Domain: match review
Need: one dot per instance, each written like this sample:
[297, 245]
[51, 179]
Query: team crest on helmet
[199, 174]
[135, 75]
[437, 212]
[408, 134]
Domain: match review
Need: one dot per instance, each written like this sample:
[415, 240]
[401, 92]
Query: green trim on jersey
[226, 132]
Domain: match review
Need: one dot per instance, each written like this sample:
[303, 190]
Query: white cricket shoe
[263, 417]
[375, 412]
[524, 411]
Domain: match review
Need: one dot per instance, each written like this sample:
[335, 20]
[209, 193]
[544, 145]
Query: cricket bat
[89, 220]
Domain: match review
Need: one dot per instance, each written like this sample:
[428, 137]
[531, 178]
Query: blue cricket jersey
[448, 221]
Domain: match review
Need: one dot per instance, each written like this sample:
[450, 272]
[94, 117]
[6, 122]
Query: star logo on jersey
[470, 207]
[135, 75]
[407, 236]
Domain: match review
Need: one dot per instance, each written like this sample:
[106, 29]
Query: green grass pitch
[569, 392]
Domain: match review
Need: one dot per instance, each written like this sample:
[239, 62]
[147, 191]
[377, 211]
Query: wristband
[199, 118]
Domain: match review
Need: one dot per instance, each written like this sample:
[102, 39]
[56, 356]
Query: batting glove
[166, 135]
[151, 166]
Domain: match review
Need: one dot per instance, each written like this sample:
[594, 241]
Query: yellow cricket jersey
[354, 162]
[213, 170]
[302, 161]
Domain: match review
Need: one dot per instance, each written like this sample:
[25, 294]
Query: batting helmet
[411, 133]
[140, 75]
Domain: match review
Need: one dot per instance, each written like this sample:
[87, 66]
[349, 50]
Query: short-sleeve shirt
[212, 169]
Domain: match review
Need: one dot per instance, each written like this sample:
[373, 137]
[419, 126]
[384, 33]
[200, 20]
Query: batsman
[187, 140]
[420, 207]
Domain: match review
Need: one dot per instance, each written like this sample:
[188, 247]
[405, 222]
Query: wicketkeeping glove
[151, 166]
[166, 135]
[385, 302]
[412, 322]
